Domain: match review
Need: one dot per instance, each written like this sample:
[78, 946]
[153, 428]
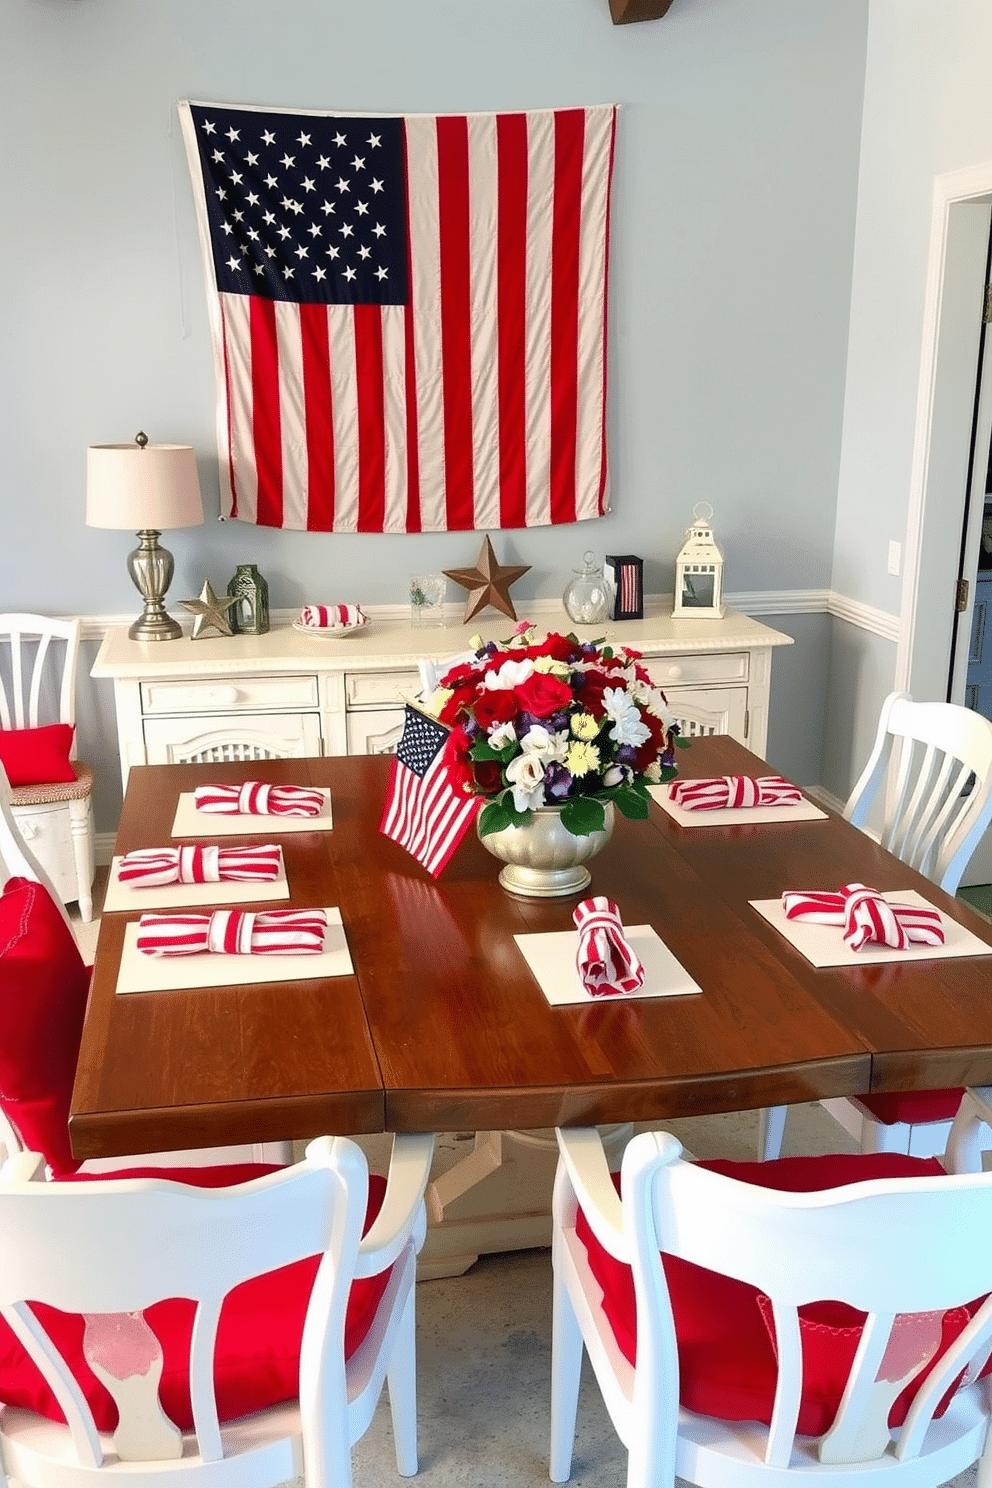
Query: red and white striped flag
[408, 314]
[424, 812]
[234, 932]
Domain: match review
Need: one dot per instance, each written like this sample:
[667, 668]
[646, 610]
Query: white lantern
[699, 571]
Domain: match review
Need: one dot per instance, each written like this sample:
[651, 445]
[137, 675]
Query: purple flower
[626, 754]
[471, 726]
[589, 648]
[557, 722]
[557, 781]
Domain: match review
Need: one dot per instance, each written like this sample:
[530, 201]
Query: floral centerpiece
[557, 722]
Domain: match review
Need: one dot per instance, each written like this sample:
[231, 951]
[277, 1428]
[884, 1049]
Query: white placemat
[192, 823]
[140, 973]
[824, 945]
[551, 957]
[735, 816]
[168, 896]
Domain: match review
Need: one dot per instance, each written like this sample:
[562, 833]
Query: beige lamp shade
[140, 487]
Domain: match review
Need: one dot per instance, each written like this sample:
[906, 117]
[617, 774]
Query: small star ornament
[210, 612]
[488, 583]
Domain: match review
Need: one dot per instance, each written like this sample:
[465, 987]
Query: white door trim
[971, 184]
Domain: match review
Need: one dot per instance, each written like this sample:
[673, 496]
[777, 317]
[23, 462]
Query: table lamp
[146, 488]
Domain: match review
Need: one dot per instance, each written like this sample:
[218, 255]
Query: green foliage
[583, 815]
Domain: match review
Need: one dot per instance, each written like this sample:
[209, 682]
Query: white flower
[510, 674]
[615, 775]
[627, 725]
[652, 772]
[542, 742]
[526, 776]
[501, 734]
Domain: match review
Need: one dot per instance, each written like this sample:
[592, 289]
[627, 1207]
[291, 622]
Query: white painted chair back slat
[39, 657]
[935, 760]
[901, 1251]
[140, 1241]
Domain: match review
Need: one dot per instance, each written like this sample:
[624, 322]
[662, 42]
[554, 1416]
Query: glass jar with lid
[589, 597]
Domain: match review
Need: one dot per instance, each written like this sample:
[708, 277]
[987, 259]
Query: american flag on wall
[408, 315]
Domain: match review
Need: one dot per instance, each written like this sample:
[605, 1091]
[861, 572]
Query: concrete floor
[484, 1349]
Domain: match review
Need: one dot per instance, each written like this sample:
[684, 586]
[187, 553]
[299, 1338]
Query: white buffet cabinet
[286, 693]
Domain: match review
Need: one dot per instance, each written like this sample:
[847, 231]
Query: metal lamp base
[151, 568]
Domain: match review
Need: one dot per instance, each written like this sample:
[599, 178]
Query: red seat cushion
[37, 756]
[913, 1106]
[43, 991]
[257, 1359]
[725, 1335]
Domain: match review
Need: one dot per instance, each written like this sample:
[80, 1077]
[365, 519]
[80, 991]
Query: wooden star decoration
[210, 612]
[488, 583]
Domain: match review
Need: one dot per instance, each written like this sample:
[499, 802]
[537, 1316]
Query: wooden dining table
[442, 1026]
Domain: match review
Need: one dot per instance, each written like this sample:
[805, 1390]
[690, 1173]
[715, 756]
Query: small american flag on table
[424, 812]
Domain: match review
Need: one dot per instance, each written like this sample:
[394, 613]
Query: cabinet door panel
[183, 741]
[375, 732]
[715, 710]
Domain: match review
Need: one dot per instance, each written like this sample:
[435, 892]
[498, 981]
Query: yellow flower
[584, 726]
[552, 666]
[582, 759]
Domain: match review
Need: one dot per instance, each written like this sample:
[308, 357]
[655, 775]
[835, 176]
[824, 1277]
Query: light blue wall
[733, 228]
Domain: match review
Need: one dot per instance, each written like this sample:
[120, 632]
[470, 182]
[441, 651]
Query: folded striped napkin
[255, 798]
[866, 917]
[332, 617]
[234, 932]
[734, 790]
[605, 962]
[149, 867]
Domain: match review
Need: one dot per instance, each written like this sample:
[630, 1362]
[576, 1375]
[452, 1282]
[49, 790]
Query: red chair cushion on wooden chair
[727, 1360]
[37, 756]
[43, 990]
[257, 1358]
[913, 1107]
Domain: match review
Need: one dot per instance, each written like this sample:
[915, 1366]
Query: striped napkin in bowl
[332, 617]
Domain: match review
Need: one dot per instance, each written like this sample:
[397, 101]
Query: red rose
[590, 695]
[558, 646]
[457, 761]
[488, 776]
[495, 705]
[653, 747]
[543, 695]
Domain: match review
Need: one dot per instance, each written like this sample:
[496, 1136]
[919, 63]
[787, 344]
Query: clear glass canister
[589, 597]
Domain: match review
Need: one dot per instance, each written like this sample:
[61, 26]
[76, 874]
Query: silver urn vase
[543, 859]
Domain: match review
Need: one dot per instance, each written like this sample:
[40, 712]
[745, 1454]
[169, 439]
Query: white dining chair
[230, 1336]
[932, 764]
[742, 1335]
[38, 662]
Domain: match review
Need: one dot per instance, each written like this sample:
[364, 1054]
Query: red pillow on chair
[257, 1358]
[43, 990]
[726, 1340]
[38, 756]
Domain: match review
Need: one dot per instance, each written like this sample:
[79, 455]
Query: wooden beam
[625, 11]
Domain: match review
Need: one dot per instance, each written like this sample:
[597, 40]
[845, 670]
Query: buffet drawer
[706, 667]
[213, 693]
